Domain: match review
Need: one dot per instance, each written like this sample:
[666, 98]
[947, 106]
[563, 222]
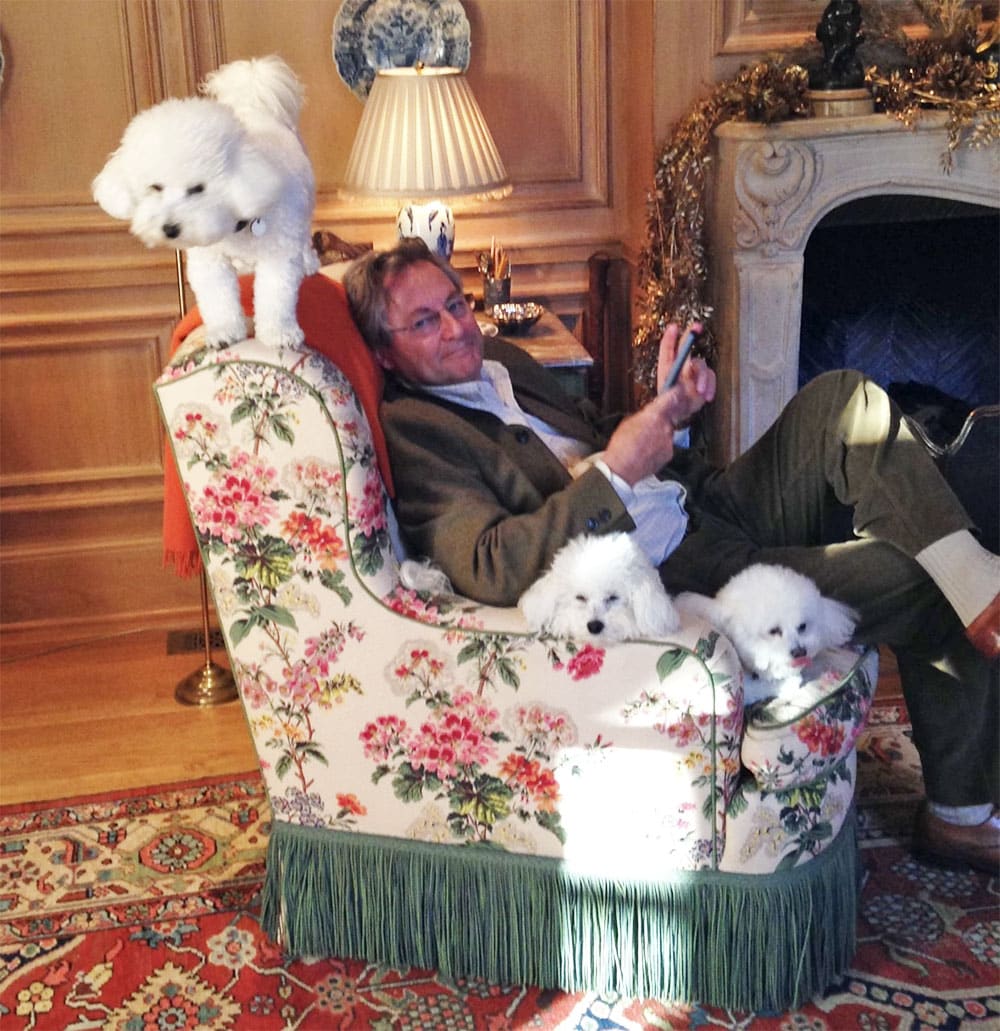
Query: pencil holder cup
[495, 291]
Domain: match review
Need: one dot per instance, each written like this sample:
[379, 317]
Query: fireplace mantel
[769, 188]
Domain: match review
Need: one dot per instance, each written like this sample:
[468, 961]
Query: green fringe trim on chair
[746, 942]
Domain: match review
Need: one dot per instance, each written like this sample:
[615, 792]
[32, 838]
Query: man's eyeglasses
[457, 307]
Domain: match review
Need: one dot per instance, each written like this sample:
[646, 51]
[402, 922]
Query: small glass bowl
[516, 318]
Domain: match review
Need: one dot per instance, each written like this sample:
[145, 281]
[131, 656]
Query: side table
[551, 344]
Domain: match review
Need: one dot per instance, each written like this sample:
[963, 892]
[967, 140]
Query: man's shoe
[984, 630]
[949, 844]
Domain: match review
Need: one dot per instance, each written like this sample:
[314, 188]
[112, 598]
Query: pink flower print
[196, 432]
[473, 707]
[381, 738]
[307, 681]
[368, 512]
[456, 738]
[237, 500]
[434, 752]
[684, 731]
[313, 483]
[586, 663]
[255, 684]
[408, 603]
[195, 425]
[542, 728]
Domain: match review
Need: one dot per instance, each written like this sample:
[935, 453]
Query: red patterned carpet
[138, 913]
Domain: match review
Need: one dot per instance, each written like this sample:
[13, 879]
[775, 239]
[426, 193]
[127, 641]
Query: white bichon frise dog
[777, 620]
[601, 589]
[225, 178]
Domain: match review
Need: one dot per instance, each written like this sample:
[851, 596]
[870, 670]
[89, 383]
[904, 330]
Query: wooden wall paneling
[85, 316]
[539, 73]
[751, 26]
[86, 310]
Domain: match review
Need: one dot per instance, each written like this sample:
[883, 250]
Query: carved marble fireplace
[770, 187]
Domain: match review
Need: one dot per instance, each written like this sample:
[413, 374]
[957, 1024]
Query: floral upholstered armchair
[451, 791]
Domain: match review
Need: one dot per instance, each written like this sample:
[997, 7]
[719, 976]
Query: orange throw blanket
[325, 317]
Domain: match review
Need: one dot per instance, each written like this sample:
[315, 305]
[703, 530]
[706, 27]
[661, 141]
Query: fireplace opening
[907, 289]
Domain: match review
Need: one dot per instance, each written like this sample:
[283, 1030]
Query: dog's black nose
[798, 653]
[595, 626]
[171, 230]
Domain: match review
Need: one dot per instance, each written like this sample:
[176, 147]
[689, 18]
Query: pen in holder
[495, 291]
[495, 268]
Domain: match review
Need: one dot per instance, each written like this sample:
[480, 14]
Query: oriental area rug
[138, 912]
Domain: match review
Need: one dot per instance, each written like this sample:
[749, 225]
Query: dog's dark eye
[801, 628]
[775, 631]
[611, 599]
[197, 188]
[156, 187]
[581, 597]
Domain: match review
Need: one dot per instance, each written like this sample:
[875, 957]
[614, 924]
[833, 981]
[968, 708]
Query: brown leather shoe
[984, 630]
[949, 844]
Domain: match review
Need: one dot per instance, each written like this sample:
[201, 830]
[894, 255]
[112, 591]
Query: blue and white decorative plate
[369, 35]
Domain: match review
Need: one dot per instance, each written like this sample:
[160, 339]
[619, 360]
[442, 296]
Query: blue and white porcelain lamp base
[433, 223]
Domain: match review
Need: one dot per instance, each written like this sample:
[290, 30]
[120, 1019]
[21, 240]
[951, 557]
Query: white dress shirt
[656, 506]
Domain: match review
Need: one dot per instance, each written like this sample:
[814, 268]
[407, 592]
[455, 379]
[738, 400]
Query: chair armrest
[796, 739]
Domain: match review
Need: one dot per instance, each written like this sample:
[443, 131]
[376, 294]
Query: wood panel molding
[752, 26]
[86, 311]
[760, 26]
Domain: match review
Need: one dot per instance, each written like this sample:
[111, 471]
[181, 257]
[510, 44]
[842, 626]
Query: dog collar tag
[258, 227]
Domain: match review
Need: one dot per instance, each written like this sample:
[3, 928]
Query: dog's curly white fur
[225, 178]
[777, 620]
[601, 589]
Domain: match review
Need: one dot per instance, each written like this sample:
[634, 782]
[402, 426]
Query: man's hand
[644, 442]
[695, 386]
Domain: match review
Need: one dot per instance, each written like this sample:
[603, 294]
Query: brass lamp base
[210, 685]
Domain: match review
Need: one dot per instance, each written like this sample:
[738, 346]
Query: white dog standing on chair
[601, 589]
[777, 620]
[225, 178]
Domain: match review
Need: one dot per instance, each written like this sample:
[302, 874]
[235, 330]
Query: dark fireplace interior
[907, 289]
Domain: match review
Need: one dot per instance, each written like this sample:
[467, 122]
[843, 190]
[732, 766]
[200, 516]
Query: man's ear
[384, 357]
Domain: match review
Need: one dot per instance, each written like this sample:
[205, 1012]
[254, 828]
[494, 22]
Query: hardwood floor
[102, 716]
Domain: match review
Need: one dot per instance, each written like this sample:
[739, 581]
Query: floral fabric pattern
[795, 740]
[377, 709]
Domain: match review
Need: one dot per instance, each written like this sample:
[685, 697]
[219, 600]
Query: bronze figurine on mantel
[837, 83]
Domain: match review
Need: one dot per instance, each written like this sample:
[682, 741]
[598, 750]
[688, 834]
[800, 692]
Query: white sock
[963, 815]
[967, 574]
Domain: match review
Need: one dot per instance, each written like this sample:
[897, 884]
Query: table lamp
[424, 141]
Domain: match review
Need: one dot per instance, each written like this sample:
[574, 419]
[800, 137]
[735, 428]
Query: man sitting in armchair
[486, 452]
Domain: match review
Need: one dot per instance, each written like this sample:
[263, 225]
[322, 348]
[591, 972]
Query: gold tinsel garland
[950, 70]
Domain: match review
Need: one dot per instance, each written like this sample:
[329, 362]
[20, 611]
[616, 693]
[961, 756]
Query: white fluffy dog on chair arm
[602, 589]
[225, 178]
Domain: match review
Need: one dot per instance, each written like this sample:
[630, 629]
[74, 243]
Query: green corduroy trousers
[840, 490]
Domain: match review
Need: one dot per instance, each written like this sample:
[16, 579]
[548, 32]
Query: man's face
[436, 339]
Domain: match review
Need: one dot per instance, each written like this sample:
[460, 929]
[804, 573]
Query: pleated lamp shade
[422, 135]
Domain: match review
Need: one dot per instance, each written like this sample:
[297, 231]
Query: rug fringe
[745, 942]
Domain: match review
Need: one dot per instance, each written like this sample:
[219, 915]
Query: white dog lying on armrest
[777, 620]
[601, 589]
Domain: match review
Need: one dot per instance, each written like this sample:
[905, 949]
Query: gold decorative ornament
[954, 69]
